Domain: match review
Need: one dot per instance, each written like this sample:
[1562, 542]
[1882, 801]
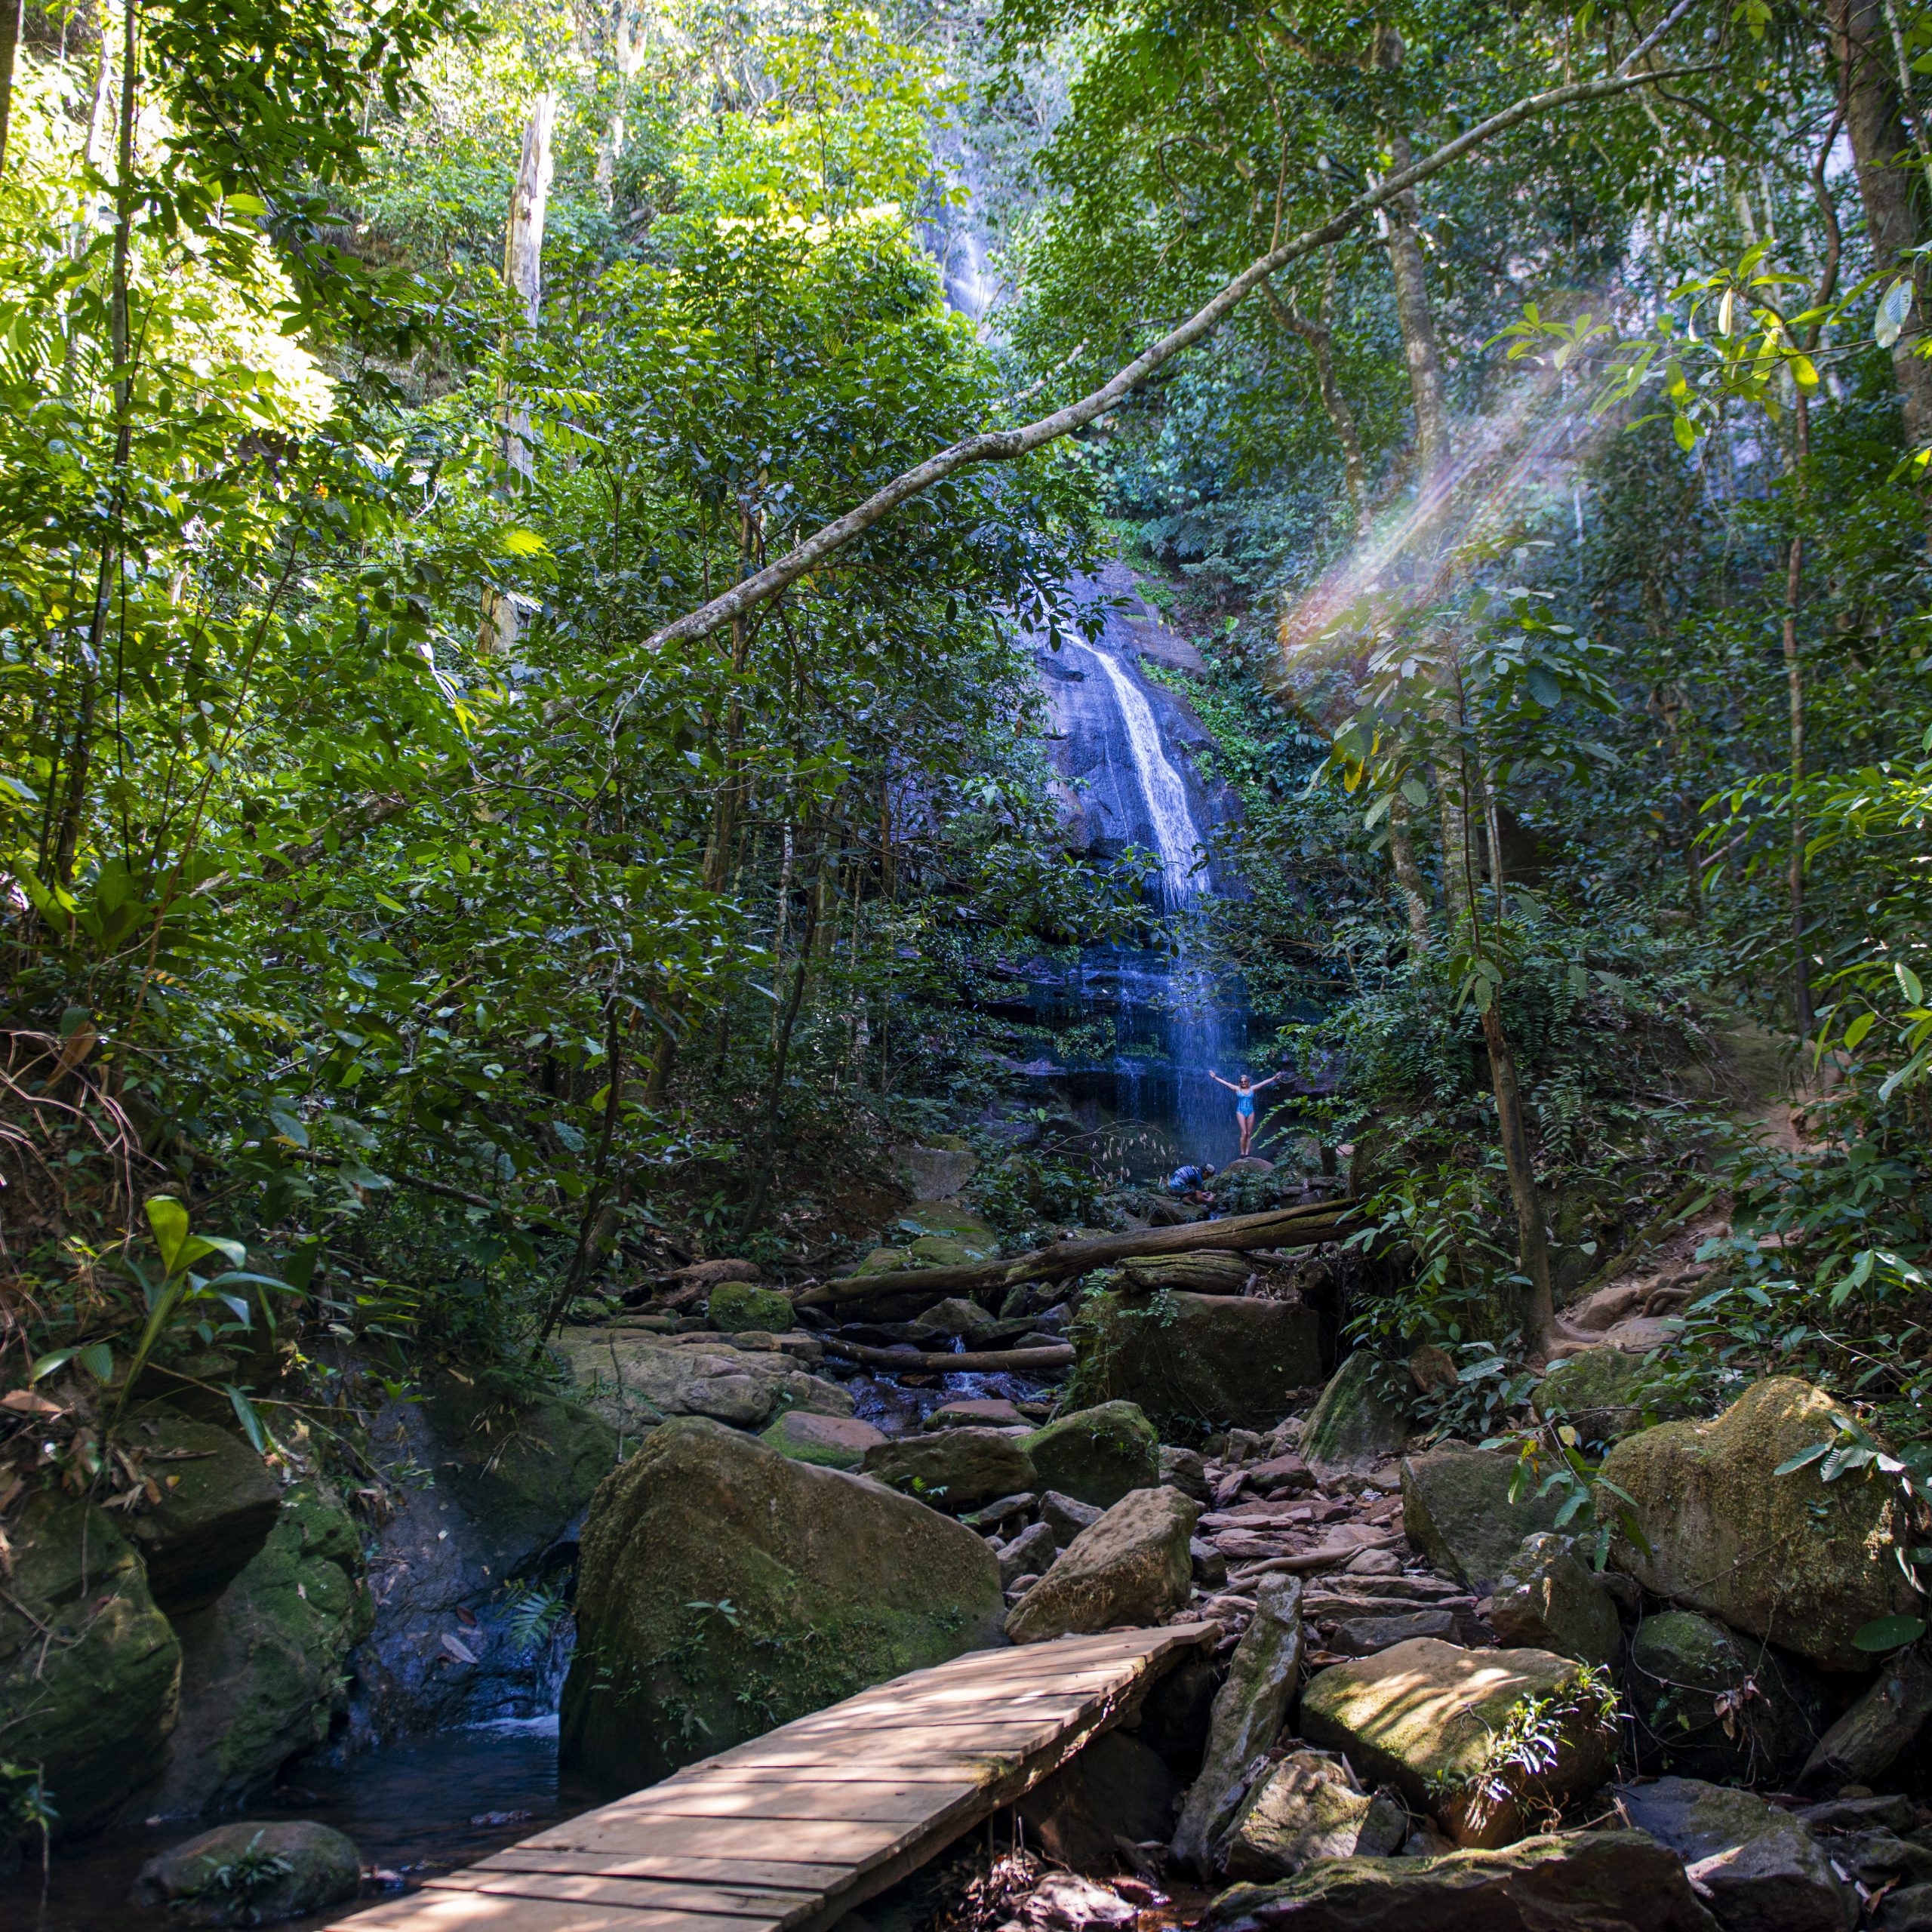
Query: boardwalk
[790, 1831]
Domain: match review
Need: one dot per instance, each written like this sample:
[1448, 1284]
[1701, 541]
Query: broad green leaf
[1894, 307]
[1889, 1633]
[169, 1220]
[1803, 1457]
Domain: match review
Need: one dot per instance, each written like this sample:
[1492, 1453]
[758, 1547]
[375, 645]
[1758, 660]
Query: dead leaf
[457, 1648]
[29, 1402]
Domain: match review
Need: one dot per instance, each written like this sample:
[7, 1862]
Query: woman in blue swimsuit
[1244, 1095]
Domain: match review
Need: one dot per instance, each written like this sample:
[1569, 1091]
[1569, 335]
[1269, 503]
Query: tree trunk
[1408, 874]
[11, 14]
[1875, 122]
[1536, 1306]
[523, 281]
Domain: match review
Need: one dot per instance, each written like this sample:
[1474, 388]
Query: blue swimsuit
[1244, 1105]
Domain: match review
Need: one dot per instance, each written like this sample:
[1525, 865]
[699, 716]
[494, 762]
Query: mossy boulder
[90, 1668]
[739, 1305]
[1456, 1510]
[265, 1668]
[954, 1469]
[1609, 1881]
[1426, 1716]
[1710, 1705]
[1097, 1455]
[251, 1874]
[217, 1504]
[951, 1221]
[724, 1589]
[1801, 1562]
[831, 1442]
[634, 1380]
[1355, 1424]
[1546, 1599]
[1602, 1393]
[1192, 1362]
[1131, 1567]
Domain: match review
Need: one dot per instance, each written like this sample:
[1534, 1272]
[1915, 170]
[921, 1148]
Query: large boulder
[265, 1667]
[1569, 1881]
[250, 1874]
[1249, 1711]
[635, 1380]
[1791, 1559]
[90, 1668]
[1756, 1867]
[217, 1502]
[1710, 1705]
[724, 1589]
[734, 1306]
[1097, 1455]
[954, 1469]
[1186, 1359]
[835, 1442]
[1456, 1510]
[1355, 1424]
[1547, 1600]
[1433, 1719]
[510, 1472]
[1307, 1807]
[1601, 1393]
[1885, 1722]
[1131, 1567]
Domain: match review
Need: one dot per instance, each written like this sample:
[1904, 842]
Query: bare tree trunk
[523, 278]
[1874, 121]
[1406, 268]
[11, 14]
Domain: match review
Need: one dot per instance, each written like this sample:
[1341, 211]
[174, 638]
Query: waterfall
[1176, 835]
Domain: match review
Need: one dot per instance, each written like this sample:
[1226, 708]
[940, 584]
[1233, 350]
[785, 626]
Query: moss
[90, 1670]
[1354, 1423]
[1097, 1455]
[736, 1305]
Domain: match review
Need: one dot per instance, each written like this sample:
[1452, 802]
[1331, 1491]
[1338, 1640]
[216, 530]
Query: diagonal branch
[1007, 445]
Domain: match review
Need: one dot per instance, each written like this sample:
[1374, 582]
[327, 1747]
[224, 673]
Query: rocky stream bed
[1428, 1706]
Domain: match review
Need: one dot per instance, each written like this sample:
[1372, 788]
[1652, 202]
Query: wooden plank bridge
[788, 1833]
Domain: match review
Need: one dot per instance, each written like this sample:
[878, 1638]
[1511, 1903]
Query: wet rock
[250, 1874]
[1116, 1787]
[265, 1668]
[1226, 1359]
[955, 1469]
[1184, 1469]
[1422, 1716]
[634, 1381]
[89, 1667]
[1803, 1563]
[1131, 1567]
[218, 1503]
[1456, 1510]
[1878, 1729]
[1710, 1705]
[955, 1315]
[1593, 1881]
[1547, 1600]
[1355, 1426]
[1756, 1867]
[1030, 1553]
[975, 1412]
[834, 1442]
[1097, 1455]
[1066, 1516]
[737, 1305]
[509, 1473]
[1307, 1807]
[834, 1582]
[1249, 1709]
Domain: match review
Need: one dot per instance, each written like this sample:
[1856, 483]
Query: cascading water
[1175, 837]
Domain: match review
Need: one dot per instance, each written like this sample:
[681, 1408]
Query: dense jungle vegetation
[416, 920]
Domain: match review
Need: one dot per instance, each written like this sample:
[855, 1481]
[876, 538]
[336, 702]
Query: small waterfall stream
[1177, 838]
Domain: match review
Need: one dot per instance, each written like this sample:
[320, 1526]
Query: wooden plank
[762, 1908]
[787, 1831]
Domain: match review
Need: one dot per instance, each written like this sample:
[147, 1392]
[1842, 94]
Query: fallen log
[1055, 1355]
[1279, 1227]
